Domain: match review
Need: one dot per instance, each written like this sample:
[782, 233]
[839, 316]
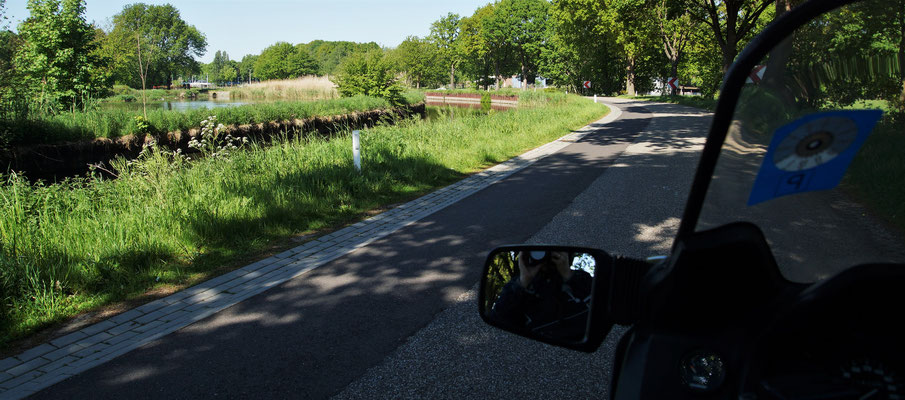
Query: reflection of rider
[547, 298]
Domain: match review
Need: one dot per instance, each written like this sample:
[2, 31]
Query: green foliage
[282, 61]
[370, 74]
[582, 48]
[418, 59]
[167, 45]
[855, 53]
[524, 26]
[487, 46]
[221, 70]
[329, 54]
[246, 67]
[86, 242]
[445, 36]
[730, 34]
[55, 63]
[141, 126]
[12, 100]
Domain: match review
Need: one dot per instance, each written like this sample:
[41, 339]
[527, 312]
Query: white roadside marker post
[595, 99]
[356, 150]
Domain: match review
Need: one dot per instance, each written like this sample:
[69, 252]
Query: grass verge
[78, 245]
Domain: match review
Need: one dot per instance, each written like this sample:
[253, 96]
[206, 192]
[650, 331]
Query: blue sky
[247, 27]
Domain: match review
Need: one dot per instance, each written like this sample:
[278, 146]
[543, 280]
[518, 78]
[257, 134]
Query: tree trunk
[524, 77]
[902, 54]
[630, 77]
[452, 76]
[496, 69]
[674, 73]
[730, 47]
[142, 73]
[779, 56]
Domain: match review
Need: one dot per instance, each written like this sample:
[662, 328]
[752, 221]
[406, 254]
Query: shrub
[369, 74]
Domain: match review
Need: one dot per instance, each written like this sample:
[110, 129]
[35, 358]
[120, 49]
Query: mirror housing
[554, 294]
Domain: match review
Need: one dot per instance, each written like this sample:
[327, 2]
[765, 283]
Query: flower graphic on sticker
[815, 143]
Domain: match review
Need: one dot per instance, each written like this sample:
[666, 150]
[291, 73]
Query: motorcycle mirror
[554, 294]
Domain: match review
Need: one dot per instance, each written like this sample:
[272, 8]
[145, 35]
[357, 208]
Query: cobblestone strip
[49, 363]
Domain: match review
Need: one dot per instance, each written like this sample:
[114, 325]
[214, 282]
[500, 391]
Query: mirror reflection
[540, 292]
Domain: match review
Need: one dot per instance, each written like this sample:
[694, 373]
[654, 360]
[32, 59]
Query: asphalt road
[633, 208]
[328, 331]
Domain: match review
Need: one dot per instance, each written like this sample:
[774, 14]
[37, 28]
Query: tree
[369, 74]
[329, 54]
[524, 25]
[246, 67]
[159, 36]
[55, 61]
[4, 24]
[282, 60]
[9, 99]
[475, 51]
[634, 27]
[494, 37]
[445, 35]
[731, 22]
[417, 59]
[222, 69]
[675, 28]
[851, 54]
[582, 47]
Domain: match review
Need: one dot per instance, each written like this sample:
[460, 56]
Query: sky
[247, 27]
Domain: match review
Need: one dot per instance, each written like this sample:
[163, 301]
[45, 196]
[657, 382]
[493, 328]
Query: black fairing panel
[717, 282]
[715, 277]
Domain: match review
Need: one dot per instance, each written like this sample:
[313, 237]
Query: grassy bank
[81, 244]
[114, 123]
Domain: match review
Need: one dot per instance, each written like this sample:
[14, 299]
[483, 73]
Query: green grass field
[85, 243]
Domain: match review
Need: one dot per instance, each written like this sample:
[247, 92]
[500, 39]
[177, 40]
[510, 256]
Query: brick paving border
[66, 356]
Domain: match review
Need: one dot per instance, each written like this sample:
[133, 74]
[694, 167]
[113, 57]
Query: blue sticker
[812, 153]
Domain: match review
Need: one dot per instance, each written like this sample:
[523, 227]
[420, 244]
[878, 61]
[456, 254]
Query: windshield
[815, 155]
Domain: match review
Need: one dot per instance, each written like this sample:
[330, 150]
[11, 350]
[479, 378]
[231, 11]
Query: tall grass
[115, 123]
[304, 88]
[75, 245]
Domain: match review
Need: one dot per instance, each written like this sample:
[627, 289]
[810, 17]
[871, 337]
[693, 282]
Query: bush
[121, 90]
[369, 74]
